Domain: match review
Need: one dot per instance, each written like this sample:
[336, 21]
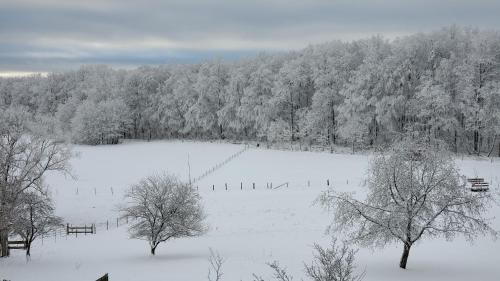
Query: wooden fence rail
[80, 229]
[17, 245]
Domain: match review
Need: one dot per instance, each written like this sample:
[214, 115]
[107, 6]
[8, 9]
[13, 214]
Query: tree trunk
[476, 142]
[4, 243]
[221, 132]
[28, 249]
[333, 124]
[291, 117]
[493, 144]
[404, 257]
[153, 249]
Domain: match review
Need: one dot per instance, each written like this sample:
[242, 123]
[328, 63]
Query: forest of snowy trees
[441, 85]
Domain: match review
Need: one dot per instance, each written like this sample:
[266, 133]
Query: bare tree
[216, 261]
[414, 191]
[26, 154]
[279, 273]
[336, 263]
[163, 208]
[36, 218]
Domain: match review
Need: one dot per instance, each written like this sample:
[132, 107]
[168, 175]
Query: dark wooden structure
[80, 229]
[478, 185]
[17, 245]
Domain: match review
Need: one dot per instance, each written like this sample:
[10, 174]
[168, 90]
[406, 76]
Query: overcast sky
[54, 35]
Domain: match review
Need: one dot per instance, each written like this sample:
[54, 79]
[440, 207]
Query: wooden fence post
[107, 225]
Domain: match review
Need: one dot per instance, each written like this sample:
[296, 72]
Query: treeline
[441, 85]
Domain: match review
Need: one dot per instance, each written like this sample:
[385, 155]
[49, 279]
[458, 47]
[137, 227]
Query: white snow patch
[248, 227]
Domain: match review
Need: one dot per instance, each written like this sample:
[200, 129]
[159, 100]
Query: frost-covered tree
[330, 72]
[433, 110]
[367, 92]
[491, 117]
[415, 191]
[255, 110]
[335, 263]
[292, 91]
[479, 68]
[140, 88]
[35, 217]
[363, 95]
[101, 123]
[162, 208]
[26, 154]
[177, 96]
[231, 115]
[211, 86]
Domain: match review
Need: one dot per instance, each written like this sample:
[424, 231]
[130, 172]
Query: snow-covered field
[248, 227]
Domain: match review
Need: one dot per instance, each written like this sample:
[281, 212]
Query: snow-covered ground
[248, 227]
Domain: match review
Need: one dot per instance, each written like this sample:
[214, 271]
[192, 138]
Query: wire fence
[219, 165]
[119, 221]
[241, 186]
[67, 231]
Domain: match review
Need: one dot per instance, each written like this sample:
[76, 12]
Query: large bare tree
[414, 191]
[162, 208]
[27, 152]
[35, 217]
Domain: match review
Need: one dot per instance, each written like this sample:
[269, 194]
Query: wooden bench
[17, 245]
[478, 185]
[475, 180]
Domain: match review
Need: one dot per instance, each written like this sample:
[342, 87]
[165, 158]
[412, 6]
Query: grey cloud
[129, 31]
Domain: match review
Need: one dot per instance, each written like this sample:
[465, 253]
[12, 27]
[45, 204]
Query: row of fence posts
[85, 229]
[117, 222]
[95, 191]
[269, 185]
[211, 170]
